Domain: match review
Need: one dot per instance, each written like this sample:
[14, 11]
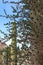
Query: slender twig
[12, 2]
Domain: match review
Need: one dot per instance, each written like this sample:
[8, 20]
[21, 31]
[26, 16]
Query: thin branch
[3, 33]
[5, 12]
[11, 16]
[4, 1]
[12, 2]
[6, 40]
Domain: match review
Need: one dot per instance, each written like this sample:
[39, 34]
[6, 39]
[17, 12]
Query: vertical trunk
[13, 46]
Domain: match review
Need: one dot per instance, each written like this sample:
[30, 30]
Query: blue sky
[8, 10]
[2, 19]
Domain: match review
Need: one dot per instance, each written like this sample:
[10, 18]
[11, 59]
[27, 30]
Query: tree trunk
[13, 46]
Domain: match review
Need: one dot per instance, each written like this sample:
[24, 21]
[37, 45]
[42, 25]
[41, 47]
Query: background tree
[12, 36]
[12, 32]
